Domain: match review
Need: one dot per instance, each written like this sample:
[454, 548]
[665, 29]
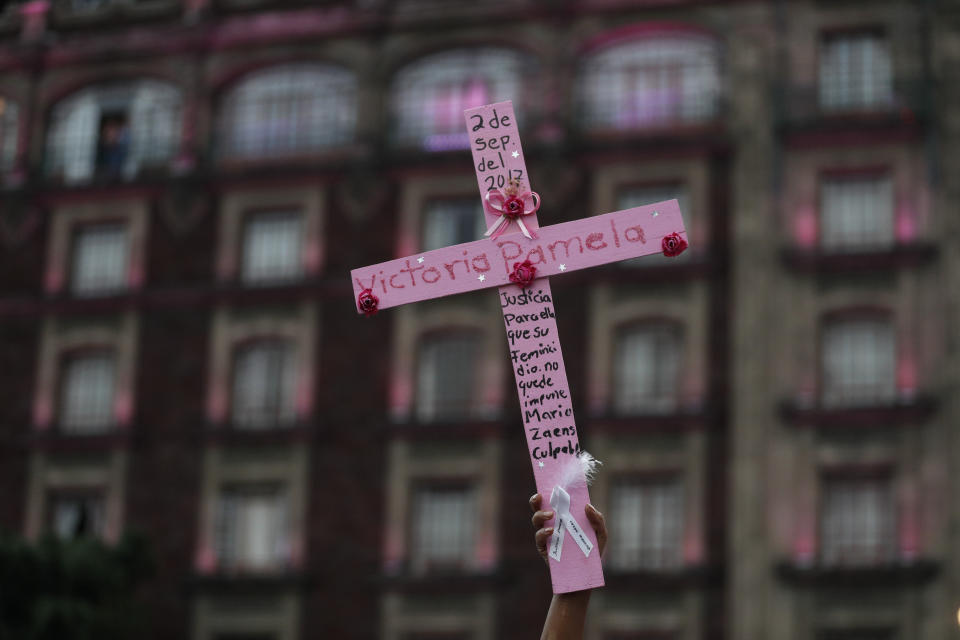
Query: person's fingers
[599, 524]
[541, 538]
[534, 502]
[540, 517]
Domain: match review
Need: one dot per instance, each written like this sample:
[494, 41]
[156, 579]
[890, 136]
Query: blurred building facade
[186, 185]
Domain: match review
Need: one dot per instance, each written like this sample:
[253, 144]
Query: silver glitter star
[420, 259]
[655, 214]
[563, 267]
[541, 464]
[481, 277]
[516, 154]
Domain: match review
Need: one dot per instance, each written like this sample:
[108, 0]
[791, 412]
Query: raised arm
[568, 611]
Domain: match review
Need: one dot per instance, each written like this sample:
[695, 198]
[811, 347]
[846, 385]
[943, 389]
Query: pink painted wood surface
[529, 317]
[548, 420]
[579, 244]
[530, 321]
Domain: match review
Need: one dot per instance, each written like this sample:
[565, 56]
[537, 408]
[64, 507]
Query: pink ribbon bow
[510, 206]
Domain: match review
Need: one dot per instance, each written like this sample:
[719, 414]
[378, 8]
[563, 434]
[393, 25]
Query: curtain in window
[447, 377]
[855, 72]
[272, 247]
[289, 109]
[646, 373]
[87, 391]
[264, 384]
[429, 95]
[650, 82]
[858, 523]
[77, 516]
[856, 213]
[648, 528]
[444, 525]
[859, 360]
[154, 125]
[100, 259]
[252, 527]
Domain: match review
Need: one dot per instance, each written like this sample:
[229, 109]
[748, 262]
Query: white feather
[578, 471]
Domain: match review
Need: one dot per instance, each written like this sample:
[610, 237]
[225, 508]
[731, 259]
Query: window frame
[673, 476]
[65, 359]
[309, 201]
[420, 563]
[842, 32]
[669, 324]
[601, 125]
[885, 473]
[849, 175]
[838, 317]
[123, 283]
[227, 93]
[133, 214]
[471, 412]
[243, 345]
[230, 329]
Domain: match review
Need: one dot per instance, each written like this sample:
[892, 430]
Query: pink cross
[528, 311]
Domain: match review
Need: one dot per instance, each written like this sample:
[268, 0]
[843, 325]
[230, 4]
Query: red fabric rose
[673, 245]
[513, 207]
[367, 302]
[523, 273]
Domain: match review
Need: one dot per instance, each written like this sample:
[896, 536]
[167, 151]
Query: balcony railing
[800, 107]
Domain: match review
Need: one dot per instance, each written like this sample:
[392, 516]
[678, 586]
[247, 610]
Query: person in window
[112, 146]
[567, 611]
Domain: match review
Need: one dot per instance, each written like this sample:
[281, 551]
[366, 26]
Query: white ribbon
[560, 501]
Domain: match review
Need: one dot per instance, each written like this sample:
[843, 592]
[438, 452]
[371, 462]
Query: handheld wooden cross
[515, 243]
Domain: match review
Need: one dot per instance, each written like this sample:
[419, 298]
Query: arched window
[264, 384]
[9, 122]
[287, 110]
[113, 131]
[430, 94]
[651, 81]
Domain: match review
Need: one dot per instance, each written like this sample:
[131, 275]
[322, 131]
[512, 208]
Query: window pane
[430, 95]
[289, 109]
[100, 259]
[77, 515]
[443, 527]
[857, 213]
[264, 384]
[646, 374]
[650, 82]
[113, 131]
[87, 389]
[637, 196]
[447, 377]
[859, 360]
[252, 531]
[648, 527]
[272, 247]
[857, 522]
[9, 120]
[855, 72]
[452, 221]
